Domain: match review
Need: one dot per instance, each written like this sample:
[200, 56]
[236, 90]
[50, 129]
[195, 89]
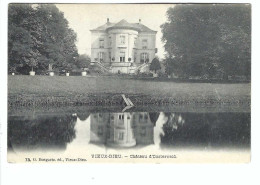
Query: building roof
[104, 27]
[123, 24]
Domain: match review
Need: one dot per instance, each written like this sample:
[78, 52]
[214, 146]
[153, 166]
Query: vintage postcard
[129, 83]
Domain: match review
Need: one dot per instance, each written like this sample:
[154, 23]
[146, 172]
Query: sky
[84, 17]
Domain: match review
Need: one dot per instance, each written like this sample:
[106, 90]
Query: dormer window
[101, 43]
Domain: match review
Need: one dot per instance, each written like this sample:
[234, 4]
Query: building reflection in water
[123, 129]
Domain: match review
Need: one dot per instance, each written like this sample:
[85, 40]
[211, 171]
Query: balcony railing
[121, 64]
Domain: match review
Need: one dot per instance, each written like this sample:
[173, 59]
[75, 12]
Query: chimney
[139, 21]
[107, 20]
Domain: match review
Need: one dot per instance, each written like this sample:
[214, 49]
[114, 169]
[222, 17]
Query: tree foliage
[155, 65]
[83, 61]
[208, 39]
[39, 36]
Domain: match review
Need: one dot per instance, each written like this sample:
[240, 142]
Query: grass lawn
[85, 89]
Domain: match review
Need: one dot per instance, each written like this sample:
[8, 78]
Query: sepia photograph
[129, 83]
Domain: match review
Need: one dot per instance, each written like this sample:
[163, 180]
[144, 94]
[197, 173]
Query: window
[112, 117]
[110, 41]
[108, 135]
[144, 57]
[144, 43]
[140, 117]
[122, 39]
[145, 118]
[143, 131]
[109, 56]
[121, 136]
[101, 43]
[135, 54]
[121, 117]
[100, 130]
[101, 56]
[122, 57]
[135, 41]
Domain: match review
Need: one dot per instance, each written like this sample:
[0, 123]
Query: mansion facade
[123, 47]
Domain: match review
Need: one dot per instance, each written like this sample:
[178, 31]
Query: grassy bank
[77, 90]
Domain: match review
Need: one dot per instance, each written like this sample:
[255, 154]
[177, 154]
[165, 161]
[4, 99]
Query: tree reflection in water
[42, 132]
[207, 130]
[83, 116]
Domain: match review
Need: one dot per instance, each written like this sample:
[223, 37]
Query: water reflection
[129, 130]
[210, 130]
[41, 132]
[123, 129]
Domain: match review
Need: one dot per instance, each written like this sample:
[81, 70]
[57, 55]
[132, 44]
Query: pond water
[131, 131]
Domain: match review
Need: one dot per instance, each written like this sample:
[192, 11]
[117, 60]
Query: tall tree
[204, 37]
[155, 65]
[57, 40]
[22, 50]
[39, 36]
